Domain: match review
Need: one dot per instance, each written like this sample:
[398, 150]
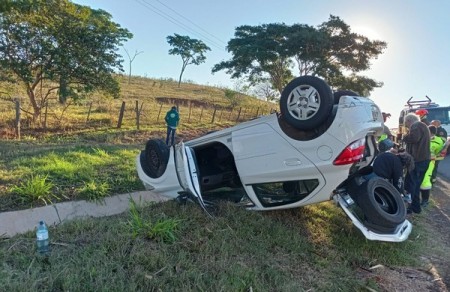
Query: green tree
[270, 52]
[192, 51]
[70, 48]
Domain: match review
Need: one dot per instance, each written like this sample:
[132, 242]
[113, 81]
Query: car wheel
[154, 158]
[381, 203]
[338, 94]
[306, 102]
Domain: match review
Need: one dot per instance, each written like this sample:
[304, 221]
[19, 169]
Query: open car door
[187, 173]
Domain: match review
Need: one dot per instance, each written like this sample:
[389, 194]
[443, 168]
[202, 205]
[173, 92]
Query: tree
[191, 51]
[131, 59]
[69, 47]
[264, 90]
[269, 52]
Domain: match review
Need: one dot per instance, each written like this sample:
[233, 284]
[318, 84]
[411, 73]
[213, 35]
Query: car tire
[154, 158]
[306, 102]
[338, 94]
[381, 203]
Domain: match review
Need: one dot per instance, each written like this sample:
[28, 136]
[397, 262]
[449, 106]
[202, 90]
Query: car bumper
[400, 234]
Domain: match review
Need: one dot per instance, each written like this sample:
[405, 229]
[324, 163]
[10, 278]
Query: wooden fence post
[138, 113]
[122, 110]
[89, 112]
[201, 114]
[17, 122]
[45, 116]
[190, 108]
[239, 114]
[214, 115]
[159, 113]
[257, 112]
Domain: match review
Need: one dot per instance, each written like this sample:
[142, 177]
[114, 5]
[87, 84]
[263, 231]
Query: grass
[164, 229]
[64, 171]
[35, 188]
[308, 249]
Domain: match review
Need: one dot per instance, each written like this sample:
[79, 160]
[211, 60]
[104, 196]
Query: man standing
[418, 146]
[172, 118]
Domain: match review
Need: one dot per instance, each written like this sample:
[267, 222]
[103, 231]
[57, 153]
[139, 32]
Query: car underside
[285, 161]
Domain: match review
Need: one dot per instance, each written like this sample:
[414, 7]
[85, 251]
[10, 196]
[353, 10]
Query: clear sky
[416, 62]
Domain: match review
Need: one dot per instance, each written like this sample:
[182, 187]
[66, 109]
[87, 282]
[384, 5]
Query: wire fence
[115, 114]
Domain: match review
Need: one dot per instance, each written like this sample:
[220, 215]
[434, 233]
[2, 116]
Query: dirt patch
[434, 273]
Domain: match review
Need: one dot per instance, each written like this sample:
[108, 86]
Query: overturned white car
[317, 150]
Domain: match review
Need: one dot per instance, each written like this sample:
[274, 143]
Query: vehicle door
[187, 173]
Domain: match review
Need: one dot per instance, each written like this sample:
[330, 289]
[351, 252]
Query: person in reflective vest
[436, 145]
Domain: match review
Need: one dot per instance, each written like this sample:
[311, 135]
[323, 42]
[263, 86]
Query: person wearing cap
[423, 113]
[418, 146]
[172, 119]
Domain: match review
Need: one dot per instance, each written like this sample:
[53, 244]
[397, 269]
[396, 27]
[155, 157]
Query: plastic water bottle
[42, 239]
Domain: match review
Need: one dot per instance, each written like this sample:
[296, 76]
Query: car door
[187, 173]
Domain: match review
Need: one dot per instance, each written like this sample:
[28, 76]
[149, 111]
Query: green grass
[35, 189]
[65, 171]
[163, 229]
[308, 249]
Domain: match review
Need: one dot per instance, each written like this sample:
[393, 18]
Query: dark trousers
[413, 181]
[171, 135]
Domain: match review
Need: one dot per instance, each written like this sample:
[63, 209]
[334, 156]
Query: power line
[222, 42]
[171, 19]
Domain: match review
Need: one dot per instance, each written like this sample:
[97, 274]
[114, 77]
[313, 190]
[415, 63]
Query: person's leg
[426, 185]
[173, 136]
[434, 174]
[412, 185]
[419, 170]
[425, 197]
[168, 134]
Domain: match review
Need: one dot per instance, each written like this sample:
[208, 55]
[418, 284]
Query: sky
[416, 62]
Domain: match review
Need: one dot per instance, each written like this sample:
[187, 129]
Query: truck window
[441, 114]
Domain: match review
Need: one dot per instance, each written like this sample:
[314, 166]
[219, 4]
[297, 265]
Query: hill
[199, 106]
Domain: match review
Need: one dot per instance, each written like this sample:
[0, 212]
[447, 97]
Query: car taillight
[351, 153]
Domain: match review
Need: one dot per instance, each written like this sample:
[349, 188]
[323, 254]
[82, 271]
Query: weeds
[163, 230]
[93, 191]
[36, 188]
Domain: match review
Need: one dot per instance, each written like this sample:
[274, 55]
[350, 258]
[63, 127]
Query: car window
[283, 193]
[441, 114]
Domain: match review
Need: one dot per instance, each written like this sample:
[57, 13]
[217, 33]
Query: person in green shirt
[172, 119]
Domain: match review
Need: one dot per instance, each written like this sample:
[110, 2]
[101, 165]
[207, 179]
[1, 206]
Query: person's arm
[413, 136]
